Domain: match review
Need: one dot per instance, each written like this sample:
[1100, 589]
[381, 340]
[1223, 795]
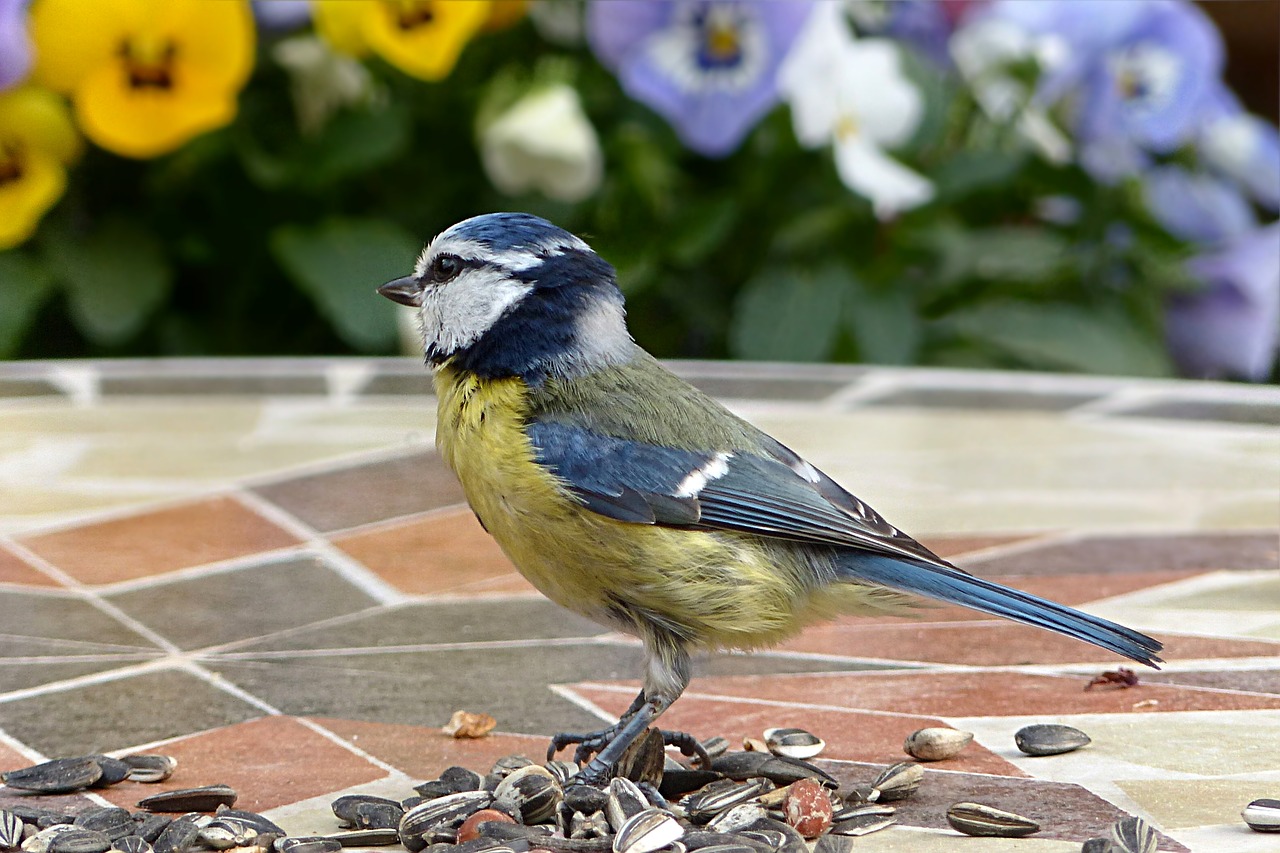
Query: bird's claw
[590, 743]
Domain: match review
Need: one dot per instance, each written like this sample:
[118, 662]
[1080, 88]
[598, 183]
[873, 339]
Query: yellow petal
[215, 37]
[146, 122]
[341, 23]
[504, 13]
[424, 38]
[28, 197]
[37, 119]
[72, 38]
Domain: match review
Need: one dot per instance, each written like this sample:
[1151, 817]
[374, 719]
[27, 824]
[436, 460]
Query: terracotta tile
[374, 491]
[270, 762]
[954, 546]
[161, 541]
[1147, 553]
[423, 751]
[15, 571]
[850, 735]
[992, 643]
[446, 552]
[973, 694]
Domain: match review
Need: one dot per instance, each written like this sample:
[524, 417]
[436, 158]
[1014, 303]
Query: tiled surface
[264, 569]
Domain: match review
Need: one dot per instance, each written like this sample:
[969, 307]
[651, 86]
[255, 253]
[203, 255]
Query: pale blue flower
[15, 45]
[1242, 147]
[1198, 208]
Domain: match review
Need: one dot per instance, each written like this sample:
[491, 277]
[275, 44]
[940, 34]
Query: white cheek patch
[455, 315]
[697, 479]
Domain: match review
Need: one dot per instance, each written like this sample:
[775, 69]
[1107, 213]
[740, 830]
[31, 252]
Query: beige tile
[1183, 803]
[131, 417]
[902, 840]
[164, 457]
[1204, 743]
[1250, 593]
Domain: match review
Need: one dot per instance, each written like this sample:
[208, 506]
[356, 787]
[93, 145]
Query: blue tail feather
[956, 587]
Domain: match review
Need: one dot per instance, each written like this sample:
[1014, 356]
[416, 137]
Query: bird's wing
[777, 495]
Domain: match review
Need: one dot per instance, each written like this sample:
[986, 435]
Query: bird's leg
[589, 742]
[666, 676]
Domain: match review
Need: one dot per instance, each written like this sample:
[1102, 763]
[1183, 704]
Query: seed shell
[896, 782]
[113, 770]
[936, 743]
[647, 831]
[132, 844]
[366, 838]
[626, 800]
[59, 776]
[79, 841]
[1134, 835]
[203, 799]
[532, 792]
[793, 743]
[863, 824]
[1049, 739]
[977, 819]
[739, 817]
[313, 844]
[834, 844]
[111, 822]
[1098, 845]
[1262, 815]
[149, 767]
[10, 830]
[776, 768]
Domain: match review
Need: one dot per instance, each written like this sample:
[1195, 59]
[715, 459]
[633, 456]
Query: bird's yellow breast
[712, 589]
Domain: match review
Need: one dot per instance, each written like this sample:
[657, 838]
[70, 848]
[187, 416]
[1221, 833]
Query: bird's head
[510, 294]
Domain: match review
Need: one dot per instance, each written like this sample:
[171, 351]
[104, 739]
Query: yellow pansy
[37, 141]
[505, 13]
[145, 76]
[422, 38]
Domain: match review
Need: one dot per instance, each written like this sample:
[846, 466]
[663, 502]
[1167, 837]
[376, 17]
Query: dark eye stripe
[446, 267]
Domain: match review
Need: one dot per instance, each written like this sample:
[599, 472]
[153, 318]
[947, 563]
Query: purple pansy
[708, 66]
[15, 46]
[1242, 147]
[1198, 208]
[282, 15]
[1230, 328]
[923, 24]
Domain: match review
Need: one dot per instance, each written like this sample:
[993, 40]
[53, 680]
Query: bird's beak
[406, 291]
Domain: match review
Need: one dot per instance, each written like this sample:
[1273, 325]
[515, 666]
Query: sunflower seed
[644, 759]
[862, 824]
[721, 796]
[131, 844]
[532, 792]
[977, 819]
[10, 830]
[111, 822]
[739, 817]
[421, 821]
[39, 843]
[834, 844]
[79, 840]
[148, 826]
[853, 810]
[625, 801]
[178, 836]
[793, 743]
[936, 744]
[1049, 739]
[677, 783]
[716, 746]
[461, 779]
[896, 782]
[60, 776]
[149, 767]
[313, 844]
[219, 837]
[347, 809]
[647, 831]
[1098, 845]
[202, 799]
[562, 771]
[263, 825]
[1134, 835]
[731, 847]
[113, 770]
[1262, 815]
[776, 768]
[585, 799]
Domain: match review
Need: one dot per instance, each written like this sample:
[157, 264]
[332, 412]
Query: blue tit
[626, 495]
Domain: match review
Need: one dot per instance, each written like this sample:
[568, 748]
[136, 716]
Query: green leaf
[701, 229]
[354, 142]
[1064, 337]
[970, 171]
[1015, 254]
[115, 278]
[788, 314]
[24, 286]
[338, 263]
[884, 323]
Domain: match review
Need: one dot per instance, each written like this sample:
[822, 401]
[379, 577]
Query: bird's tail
[954, 586]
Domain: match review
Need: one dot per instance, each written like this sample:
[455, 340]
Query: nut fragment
[1262, 815]
[1049, 739]
[808, 808]
[936, 743]
[466, 724]
[977, 819]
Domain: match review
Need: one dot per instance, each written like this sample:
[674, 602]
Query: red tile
[14, 570]
[850, 735]
[270, 762]
[973, 694]
[161, 541]
[446, 552]
[949, 547]
[423, 751]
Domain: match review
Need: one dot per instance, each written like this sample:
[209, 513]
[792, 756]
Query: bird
[627, 495]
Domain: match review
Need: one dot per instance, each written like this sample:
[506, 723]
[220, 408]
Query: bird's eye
[445, 267]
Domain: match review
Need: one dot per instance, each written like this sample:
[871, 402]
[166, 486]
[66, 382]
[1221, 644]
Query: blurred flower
[851, 93]
[1197, 208]
[15, 47]
[986, 54]
[282, 15]
[1231, 327]
[423, 38]
[321, 82]
[1242, 147]
[708, 66]
[923, 24]
[505, 13]
[559, 21]
[145, 76]
[37, 142]
[544, 142]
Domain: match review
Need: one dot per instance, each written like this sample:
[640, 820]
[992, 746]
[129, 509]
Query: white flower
[983, 52]
[544, 142]
[320, 81]
[852, 94]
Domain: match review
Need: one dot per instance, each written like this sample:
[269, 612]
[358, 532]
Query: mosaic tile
[902, 840]
[14, 570]
[1146, 553]
[1192, 742]
[1183, 803]
[159, 541]
[1255, 593]
[68, 619]
[22, 676]
[24, 507]
[948, 547]
[233, 605]
[443, 553]
[1208, 410]
[972, 694]
[422, 752]
[269, 762]
[1247, 680]
[223, 458]
[850, 735]
[979, 398]
[374, 491]
[120, 713]
[426, 687]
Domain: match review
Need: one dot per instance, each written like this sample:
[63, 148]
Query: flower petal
[15, 47]
[544, 142]
[889, 185]
[430, 49]
[37, 119]
[341, 24]
[1198, 208]
[25, 200]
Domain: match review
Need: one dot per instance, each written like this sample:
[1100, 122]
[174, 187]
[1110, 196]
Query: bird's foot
[591, 743]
